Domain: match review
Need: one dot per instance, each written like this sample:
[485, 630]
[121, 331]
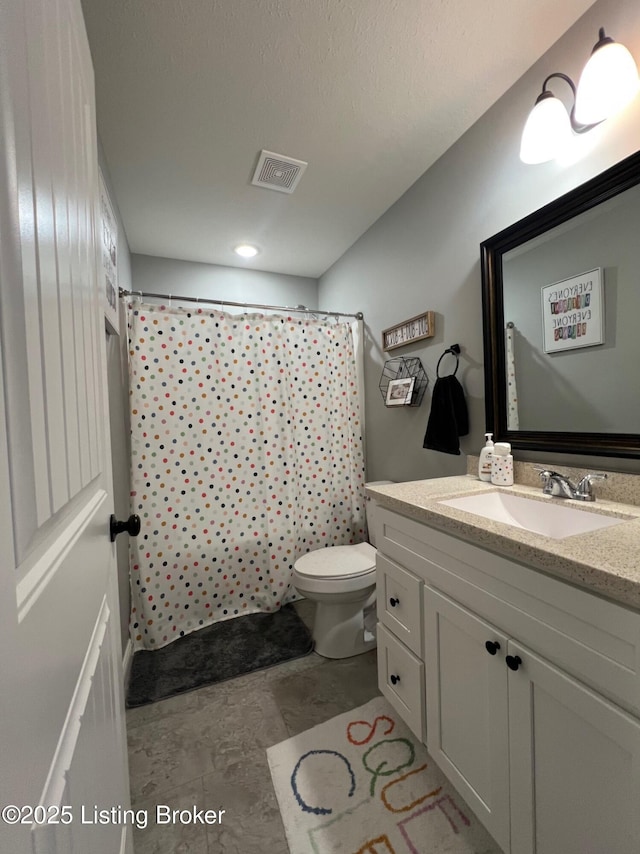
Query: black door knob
[492, 647]
[513, 662]
[393, 602]
[131, 526]
[394, 679]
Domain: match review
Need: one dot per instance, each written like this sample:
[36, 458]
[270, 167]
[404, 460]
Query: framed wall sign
[109, 254]
[573, 312]
[414, 329]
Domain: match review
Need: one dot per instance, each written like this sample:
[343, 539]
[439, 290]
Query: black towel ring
[454, 350]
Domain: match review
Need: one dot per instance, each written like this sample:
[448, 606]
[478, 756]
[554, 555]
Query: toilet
[341, 580]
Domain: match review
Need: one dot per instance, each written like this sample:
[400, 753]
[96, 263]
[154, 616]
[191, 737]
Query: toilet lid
[338, 561]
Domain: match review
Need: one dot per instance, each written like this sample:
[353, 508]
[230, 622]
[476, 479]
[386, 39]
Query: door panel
[61, 708]
[54, 410]
[90, 731]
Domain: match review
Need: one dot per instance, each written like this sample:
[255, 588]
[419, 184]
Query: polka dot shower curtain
[246, 452]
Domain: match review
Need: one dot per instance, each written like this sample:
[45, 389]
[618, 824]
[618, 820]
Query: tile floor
[207, 749]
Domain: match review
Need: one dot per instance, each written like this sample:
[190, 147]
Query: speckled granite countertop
[606, 561]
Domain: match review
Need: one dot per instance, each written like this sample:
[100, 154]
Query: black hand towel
[448, 419]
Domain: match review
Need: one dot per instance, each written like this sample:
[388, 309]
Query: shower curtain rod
[300, 308]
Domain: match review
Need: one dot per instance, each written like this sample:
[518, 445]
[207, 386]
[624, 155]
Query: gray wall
[423, 253]
[166, 275]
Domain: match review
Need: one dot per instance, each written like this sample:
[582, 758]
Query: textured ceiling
[369, 92]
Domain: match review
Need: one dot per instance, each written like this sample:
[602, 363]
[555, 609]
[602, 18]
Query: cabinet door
[575, 765]
[466, 708]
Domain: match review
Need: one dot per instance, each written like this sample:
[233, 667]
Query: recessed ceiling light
[245, 250]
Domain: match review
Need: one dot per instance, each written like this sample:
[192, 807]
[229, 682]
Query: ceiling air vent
[277, 172]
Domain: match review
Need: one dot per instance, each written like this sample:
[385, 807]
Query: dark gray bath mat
[216, 653]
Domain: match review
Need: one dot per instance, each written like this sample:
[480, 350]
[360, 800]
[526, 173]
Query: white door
[467, 711]
[575, 765]
[62, 742]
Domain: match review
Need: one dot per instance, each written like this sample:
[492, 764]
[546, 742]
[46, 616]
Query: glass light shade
[547, 132]
[608, 82]
[245, 250]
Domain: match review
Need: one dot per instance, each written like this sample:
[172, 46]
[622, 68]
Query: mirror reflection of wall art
[400, 392]
[573, 312]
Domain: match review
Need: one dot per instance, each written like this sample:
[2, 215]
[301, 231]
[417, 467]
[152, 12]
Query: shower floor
[218, 652]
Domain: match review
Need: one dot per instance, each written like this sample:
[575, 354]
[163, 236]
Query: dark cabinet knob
[131, 526]
[492, 647]
[394, 679]
[393, 602]
[513, 662]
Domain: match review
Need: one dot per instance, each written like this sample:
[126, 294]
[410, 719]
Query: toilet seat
[337, 562]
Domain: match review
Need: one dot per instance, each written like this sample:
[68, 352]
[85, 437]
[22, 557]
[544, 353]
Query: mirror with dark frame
[561, 318]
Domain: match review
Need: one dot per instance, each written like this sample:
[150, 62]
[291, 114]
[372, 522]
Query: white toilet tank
[371, 506]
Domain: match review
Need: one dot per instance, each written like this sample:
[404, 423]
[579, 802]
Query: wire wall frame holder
[403, 382]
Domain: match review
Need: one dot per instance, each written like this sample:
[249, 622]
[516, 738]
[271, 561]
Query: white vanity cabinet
[547, 754]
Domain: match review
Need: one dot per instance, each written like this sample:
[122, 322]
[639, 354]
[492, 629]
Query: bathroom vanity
[515, 658]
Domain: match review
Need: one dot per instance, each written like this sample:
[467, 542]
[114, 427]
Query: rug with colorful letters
[362, 783]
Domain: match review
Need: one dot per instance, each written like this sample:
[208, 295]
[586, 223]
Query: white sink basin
[549, 518]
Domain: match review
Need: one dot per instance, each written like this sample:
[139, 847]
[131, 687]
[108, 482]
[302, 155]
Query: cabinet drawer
[399, 602]
[401, 680]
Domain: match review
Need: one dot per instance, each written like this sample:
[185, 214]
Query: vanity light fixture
[245, 250]
[608, 82]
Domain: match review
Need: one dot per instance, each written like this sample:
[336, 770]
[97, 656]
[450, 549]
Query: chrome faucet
[562, 487]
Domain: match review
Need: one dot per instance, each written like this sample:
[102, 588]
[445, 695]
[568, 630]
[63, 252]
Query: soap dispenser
[502, 465]
[486, 455]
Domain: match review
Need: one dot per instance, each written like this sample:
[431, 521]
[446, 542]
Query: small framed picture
[400, 392]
